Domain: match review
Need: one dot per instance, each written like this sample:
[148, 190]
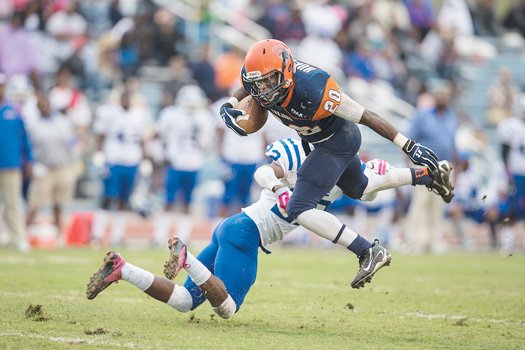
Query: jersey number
[305, 130]
[330, 105]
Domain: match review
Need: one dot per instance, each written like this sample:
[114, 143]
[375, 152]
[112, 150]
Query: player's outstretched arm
[418, 154]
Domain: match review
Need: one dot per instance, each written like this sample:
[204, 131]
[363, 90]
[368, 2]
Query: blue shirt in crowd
[436, 131]
[15, 147]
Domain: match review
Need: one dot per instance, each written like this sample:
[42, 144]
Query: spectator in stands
[115, 15]
[167, 37]
[358, 63]
[502, 95]
[15, 155]
[290, 27]
[54, 173]
[392, 15]
[203, 72]
[227, 67]
[486, 21]
[128, 55]
[65, 26]
[186, 130]
[435, 127]
[421, 17]
[18, 52]
[67, 98]
[515, 17]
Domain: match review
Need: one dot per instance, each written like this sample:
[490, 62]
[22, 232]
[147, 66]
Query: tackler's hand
[229, 116]
[421, 155]
[283, 197]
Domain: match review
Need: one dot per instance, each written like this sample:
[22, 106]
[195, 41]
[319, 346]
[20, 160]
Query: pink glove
[283, 197]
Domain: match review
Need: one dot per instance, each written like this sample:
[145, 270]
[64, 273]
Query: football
[255, 116]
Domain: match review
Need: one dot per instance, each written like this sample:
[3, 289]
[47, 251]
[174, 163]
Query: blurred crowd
[116, 102]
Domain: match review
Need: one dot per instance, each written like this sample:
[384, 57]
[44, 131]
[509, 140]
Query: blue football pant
[232, 257]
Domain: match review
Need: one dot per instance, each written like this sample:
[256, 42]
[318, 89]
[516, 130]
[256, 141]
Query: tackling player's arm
[267, 176]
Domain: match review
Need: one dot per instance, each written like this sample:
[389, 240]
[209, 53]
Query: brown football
[255, 116]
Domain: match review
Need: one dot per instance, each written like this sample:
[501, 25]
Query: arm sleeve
[349, 109]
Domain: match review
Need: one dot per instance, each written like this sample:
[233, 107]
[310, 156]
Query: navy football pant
[231, 256]
[334, 161]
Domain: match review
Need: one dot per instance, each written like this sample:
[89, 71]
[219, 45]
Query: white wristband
[233, 101]
[400, 140]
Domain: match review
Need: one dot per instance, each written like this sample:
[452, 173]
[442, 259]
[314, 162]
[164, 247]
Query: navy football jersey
[311, 103]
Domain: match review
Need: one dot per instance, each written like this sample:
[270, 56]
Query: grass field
[301, 300]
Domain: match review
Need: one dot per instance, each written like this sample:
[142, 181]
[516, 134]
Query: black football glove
[229, 114]
[421, 155]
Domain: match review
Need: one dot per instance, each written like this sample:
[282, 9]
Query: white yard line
[14, 333]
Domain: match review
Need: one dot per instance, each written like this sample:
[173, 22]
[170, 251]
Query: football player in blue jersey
[308, 100]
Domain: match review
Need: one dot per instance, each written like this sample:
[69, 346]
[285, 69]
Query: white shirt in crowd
[52, 139]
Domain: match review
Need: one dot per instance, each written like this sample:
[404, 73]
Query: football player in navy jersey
[308, 100]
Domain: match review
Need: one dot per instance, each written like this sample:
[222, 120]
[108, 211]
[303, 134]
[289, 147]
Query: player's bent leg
[373, 259]
[236, 262]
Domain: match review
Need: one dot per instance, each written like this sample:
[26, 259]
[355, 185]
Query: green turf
[301, 300]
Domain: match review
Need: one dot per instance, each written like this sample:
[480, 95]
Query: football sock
[359, 245]
[227, 308]
[196, 270]
[184, 225]
[421, 176]
[100, 222]
[138, 277]
[162, 224]
[328, 226]
[180, 299]
[118, 224]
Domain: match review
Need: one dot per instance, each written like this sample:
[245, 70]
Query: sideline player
[512, 134]
[308, 100]
[226, 269]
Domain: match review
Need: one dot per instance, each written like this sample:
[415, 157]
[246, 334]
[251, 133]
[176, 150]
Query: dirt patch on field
[193, 319]
[36, 313]
[97, 331]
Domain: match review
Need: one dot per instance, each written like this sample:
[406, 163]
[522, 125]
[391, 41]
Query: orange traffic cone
[78, 232]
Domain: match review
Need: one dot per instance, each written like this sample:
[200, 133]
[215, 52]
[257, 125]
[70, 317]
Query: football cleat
[109, 272]
[441, 184]
[177, 259]
[370, 262]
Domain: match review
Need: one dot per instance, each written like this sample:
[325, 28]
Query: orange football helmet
[268, 71]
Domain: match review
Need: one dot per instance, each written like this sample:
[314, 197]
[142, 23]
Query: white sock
[507, 238]
[184, 225]
[227, 308]
[100, 223]
[138, 277]
[118, 227]
[180, 299]
[327, 225]
[162, 225]
[393, 178]
[196, 270]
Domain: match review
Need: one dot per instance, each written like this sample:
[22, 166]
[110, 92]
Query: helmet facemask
[268, 89]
